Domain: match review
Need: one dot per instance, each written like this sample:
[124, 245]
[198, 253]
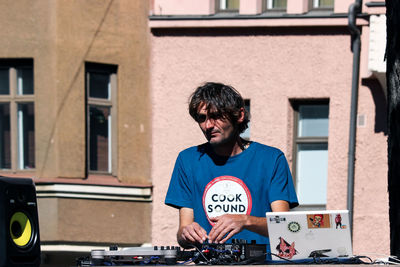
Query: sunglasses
[200, 118]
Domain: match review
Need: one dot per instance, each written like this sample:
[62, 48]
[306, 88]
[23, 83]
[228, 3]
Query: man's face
[217, 129]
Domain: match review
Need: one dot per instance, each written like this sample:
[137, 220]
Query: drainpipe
[354, 10]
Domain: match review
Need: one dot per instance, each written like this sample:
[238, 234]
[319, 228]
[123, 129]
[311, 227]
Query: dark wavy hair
[220, 98]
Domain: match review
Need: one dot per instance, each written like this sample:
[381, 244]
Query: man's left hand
[226, 226]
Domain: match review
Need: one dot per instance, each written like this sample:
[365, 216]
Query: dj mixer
[237, 252]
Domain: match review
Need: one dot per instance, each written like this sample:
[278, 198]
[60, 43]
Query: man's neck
[230, 149]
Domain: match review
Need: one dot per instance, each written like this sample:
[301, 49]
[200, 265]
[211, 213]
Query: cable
[389, 259]
[319, 260]
[364, 257]
[208, 261]
[150, 259]
[189, 260]
[276, 255]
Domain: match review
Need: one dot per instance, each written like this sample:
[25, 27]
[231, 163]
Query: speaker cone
[20, 229]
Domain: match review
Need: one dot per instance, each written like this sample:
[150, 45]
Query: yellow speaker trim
[26, 229]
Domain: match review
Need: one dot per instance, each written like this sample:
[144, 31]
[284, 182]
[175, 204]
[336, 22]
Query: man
[223, 188]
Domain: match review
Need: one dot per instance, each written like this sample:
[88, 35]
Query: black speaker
[19, 224]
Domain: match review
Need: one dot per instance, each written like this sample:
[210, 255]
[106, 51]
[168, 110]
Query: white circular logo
[226, 195]
[294, 227]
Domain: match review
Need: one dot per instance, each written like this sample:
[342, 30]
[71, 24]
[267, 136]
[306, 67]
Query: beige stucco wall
[33, 37]
[269, 66]
[108, 32]
[60, 36]
[62, 221]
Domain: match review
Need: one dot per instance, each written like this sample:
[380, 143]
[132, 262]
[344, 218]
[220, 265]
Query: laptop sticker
[338, 222]
[294, 227]
[318, 221]
[277, 219]
[285, 250]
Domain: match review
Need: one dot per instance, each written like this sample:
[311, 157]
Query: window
[322, 4]
[101, 117]
[276, 5]
[227, 5]
[246, 134]
[17, 120]
[311, 152]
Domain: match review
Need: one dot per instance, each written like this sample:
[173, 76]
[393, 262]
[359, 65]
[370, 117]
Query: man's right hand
[189, 232]
[192, 234]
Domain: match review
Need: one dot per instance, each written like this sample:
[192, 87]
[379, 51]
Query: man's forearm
[257, 225]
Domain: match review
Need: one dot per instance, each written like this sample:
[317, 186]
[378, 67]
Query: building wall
[270, 65]
[60, 36]
[94, 221]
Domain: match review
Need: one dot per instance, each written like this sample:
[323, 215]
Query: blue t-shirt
[246, 183]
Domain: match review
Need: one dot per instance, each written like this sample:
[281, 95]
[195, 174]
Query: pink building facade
[290, 63]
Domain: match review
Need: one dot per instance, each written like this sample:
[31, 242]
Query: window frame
[14, 100]
[218, 8]
[305, 140]
[111, 103]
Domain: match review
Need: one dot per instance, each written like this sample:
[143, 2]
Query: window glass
[232, 4]
[311, 152]
[26, 136]
[17, 114]
[100, 122]
[99, 85]
[323, 4]
[311, 173]
[101, 112]
[228, 5]
[313, 120]
[4, 81]
[24, 81]
[326, 3]
[276, 4]
[5, 141]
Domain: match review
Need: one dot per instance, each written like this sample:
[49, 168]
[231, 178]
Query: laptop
[309, 235]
